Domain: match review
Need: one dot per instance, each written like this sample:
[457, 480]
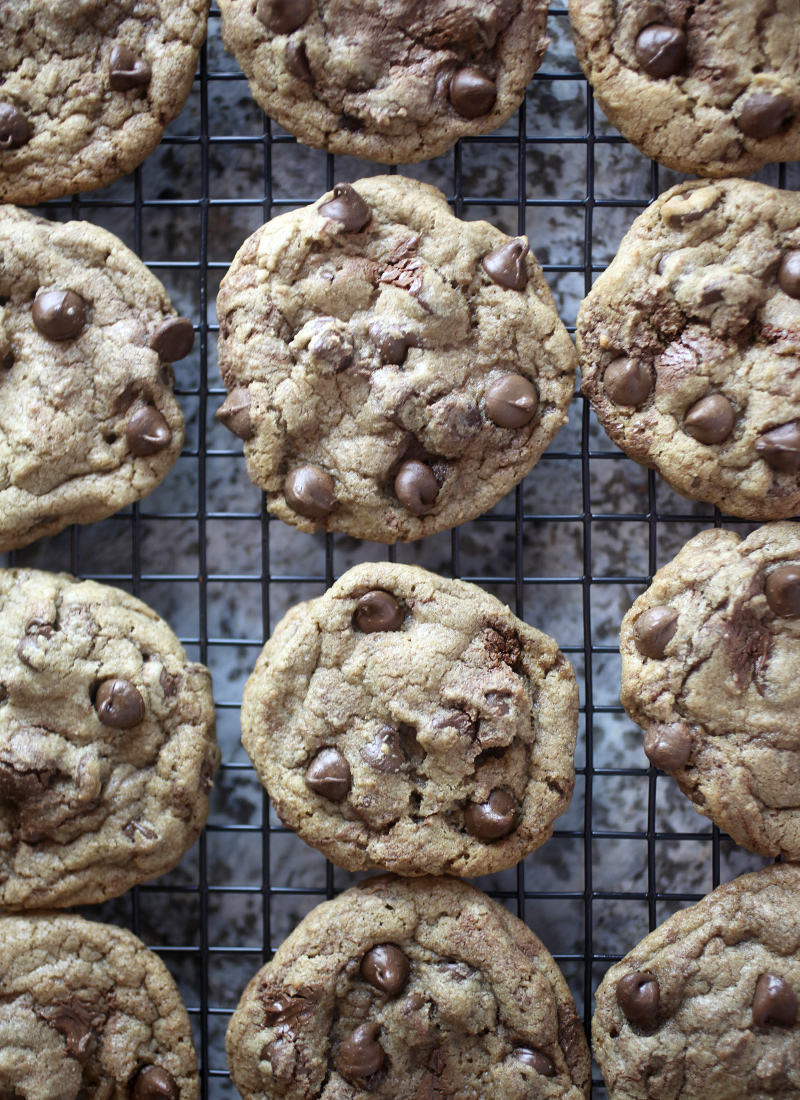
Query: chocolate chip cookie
[409, 989]
[87, 88]
[88, 419]
[710, 655]
[710, 88]
[393, 80]
[87, 1010]
[689, 345]
[107, 742]
[412, 723]
[705, 1007]
[392, 370]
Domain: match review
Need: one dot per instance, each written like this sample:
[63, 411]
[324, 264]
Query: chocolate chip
[75, 1024]
[511, 401]
[169, 684]
[328, 774]
[654, 630]
[783, 591]
[711, 419]
[506, 264]
[360, 1055]
[536, 1060]
[384, 753]
[378, 610]
[127, 70]
[392, 345]
[297, 61]
[763, 115]
[660, 50]
[173, 339]
[155, 1083]
[627, 382]
[310, 491]
[780, 447]
[289, 1012]
[491, 819]
[668, 745]
[386, 967]
[346, 207]
[789, 274]
[59, 314]
[3, 693]
[234, 413]
[774, 1002]
[638, 996]
[119, 704]
[472, 92]
[15, 129]
[457, 720]
[147, 432]
[283, 16]
[416, 487]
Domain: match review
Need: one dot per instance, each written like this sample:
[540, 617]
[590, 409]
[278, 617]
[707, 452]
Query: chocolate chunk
[764, 114]
[310, 491]
[173, 339]
[710, 420]
[783, 591]
[328, 774]
[472, 92]
[416, 487]
[654, 630]
[511, 401]
[234, 413]
[378, 610]
[59, 314]
[506, 264]
[126, 70]
[346, 207]
[536, 1060]
[774, 1002]
[15, 129]
[627, 382]
[386, 967]
[384, 753]
[392, 345]
[668, 745]
[147, 432]
[789, 274]
[660, 50]
[119, 704]
[360, 1055]
[780, 447]
[155, 1083]
[75, 1024]
[283, 16]
[638, 996]
[491, 819]
[297, 61]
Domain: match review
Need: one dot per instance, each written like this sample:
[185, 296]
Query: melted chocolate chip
[391, 344]
[506, 264]
[346, 207]
[283, 16]
[386, 967]
[660, 50]
[378, 610]
[155, 1083]
[783, 591]
[127, 70]
[384, 753]
[15, 129]
[710, 420]
[288, 1012]
[361, 1055]
[457, 720]
[654, 630]
[627, 382]
[780, 447]
[59, 314]
[789, 274]
[668, 745]
[416, 487]
[297, 61]
[234, 413]
[764, 114]
[119, 704]
[511, 401]
[328, 774]
[472, 92]
[147, 432]
[774, 1002]
[173, 339]
[3, 693]
[310, 491]
[75, 1024]
[491, 819]
[638, 996]
[536, 1060]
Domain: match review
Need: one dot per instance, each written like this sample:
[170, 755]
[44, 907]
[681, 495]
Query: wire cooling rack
[568, 550]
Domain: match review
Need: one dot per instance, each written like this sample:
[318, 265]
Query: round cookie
[396, 81]
[87, 1010]
[711, 88]
[107, 742]
[88, 419]
[421, 989]
[705, 1007]
[392, 370]
[87, 88]
[412, 723]
[689, 345]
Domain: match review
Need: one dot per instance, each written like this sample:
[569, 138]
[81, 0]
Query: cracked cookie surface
[87, 88]
[423, 989]
[710, 654]
[710, 88]
[412, 723]
[86, 1009]
[396, 81]
[705, 1007]
[689, 345]
[107, 742]
[392, 370]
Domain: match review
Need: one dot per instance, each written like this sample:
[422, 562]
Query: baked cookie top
[393, 370]
[393, 80]
[86, 1009]
[706, 1006]
[710, 654]
[87, 88]
[88, 419]
[412, 723]
[710, 88]
[107, 742]
[689, 345]
[422, 989]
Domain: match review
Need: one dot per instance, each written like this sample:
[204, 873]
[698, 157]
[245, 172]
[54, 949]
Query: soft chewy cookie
[393, 371]
[87, 88]
[401, 989]
[710, 88]
[710, 658]
[689, 345]
[393, 80]
[107, 742]
[705, 1008]
[87, 1010]
[412, 723]
[88, 419]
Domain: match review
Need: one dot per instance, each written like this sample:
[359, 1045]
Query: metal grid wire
[204, 551]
